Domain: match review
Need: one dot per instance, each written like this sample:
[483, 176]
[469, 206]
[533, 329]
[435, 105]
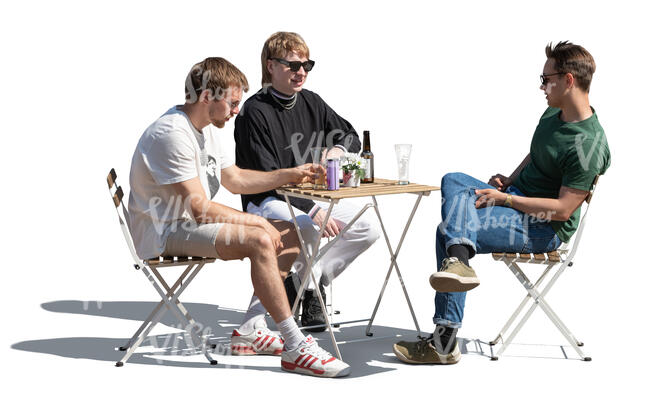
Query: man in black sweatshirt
[276, 129]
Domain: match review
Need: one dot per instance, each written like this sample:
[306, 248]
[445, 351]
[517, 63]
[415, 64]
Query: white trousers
[361, 235]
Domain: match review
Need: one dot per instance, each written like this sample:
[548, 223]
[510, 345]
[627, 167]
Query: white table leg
[394, 264]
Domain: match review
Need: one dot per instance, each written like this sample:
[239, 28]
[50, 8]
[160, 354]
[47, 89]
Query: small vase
[351, 179]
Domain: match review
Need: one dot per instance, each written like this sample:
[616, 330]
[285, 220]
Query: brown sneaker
[423, 352]
[454, 276]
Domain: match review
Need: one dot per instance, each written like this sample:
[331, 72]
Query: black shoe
[312, 312]
[290, 284]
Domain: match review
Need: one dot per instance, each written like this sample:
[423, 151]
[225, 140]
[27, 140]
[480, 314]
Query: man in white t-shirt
[172, 212]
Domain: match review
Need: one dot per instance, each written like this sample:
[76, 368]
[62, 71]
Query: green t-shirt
[564, 154]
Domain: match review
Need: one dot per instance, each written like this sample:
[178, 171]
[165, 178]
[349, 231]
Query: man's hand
[501, 182]
[331, 229]
[273, 233]
[489, 197]
[305, 173]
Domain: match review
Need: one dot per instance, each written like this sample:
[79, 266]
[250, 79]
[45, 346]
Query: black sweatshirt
[269, 137]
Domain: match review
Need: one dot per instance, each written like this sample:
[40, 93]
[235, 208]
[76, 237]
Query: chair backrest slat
[111, 178]
[117, 197]
[123, 218]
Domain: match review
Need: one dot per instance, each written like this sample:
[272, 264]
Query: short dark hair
[574, 59]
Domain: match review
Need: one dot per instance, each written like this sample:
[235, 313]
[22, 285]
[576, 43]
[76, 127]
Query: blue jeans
[485, 230]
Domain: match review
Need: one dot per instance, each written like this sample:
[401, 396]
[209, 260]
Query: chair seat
[163, 261]
[543, 258]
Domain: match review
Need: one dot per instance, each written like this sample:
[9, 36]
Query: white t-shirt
[171, 150]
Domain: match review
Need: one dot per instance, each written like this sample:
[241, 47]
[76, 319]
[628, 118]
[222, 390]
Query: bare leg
[238, 242]
[291, 245]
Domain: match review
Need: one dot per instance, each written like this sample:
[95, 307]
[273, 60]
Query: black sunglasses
[544, 77]
[294, 66]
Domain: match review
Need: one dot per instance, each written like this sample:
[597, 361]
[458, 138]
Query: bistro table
[378, 188]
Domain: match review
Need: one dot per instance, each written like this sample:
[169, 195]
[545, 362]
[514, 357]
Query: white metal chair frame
[562, 257]
[169, 296]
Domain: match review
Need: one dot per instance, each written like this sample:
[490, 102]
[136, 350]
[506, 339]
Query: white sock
[290, 333]
[256, 312]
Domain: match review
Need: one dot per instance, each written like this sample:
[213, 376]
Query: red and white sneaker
[261, 341]
[310, 359]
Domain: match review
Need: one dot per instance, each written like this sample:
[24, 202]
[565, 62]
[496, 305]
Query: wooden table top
[379, 187]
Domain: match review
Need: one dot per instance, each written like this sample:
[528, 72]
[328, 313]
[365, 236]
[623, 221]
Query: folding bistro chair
[169, 295]
[562, 258]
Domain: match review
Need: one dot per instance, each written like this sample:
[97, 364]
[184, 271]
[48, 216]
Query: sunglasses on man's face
[544, 77]
[294, 66]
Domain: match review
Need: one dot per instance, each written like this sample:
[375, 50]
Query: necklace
[287, 103]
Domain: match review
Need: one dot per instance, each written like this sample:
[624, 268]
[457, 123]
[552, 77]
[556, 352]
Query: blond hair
[278, 46]
[215, 75]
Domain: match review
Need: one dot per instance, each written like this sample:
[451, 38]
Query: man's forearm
[218, 213]
[542, 208]
[193, 198]
[252, 181]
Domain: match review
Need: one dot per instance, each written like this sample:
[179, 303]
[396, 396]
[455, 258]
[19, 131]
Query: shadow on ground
[366, 355]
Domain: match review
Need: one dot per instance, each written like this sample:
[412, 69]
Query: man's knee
[369, 229]
[373, 233]
[260, 243]
[453, 178]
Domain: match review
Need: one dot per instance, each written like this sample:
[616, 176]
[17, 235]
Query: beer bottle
[369, 176]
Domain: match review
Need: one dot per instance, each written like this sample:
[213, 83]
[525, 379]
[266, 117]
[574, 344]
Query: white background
[82, 80]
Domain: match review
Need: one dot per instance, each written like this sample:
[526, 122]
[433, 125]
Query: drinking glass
[403, 153]
[318, 157]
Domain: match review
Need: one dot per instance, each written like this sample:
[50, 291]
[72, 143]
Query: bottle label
[369, 175]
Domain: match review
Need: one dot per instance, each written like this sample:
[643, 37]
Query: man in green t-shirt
[535, 209]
